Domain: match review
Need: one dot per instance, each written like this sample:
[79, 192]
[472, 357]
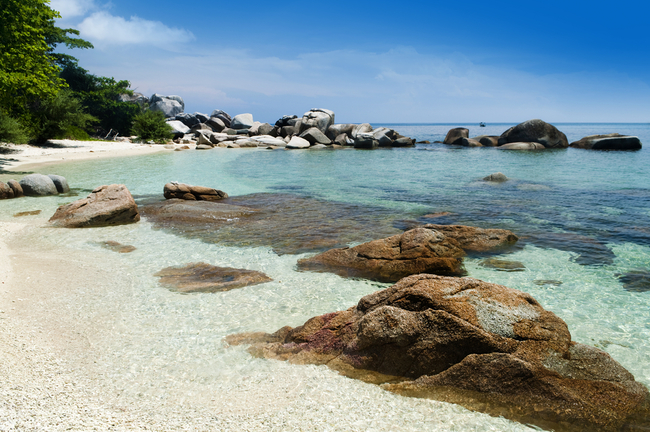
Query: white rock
[298, 143]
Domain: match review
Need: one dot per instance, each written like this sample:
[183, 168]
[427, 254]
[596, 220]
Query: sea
[583, 219]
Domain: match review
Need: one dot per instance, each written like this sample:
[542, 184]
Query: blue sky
[425, 62]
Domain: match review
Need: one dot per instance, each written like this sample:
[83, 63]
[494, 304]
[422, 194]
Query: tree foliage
[29, 70]
[101, 98]
[62, 116]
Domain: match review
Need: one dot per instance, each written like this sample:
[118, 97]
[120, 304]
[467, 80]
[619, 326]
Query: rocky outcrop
[38, 185]
[206, 278]
[461, 340]
[456, 134]
[473, 239]
[106, 205]
[535, 131]
[608, 142]
[136, 98]
[365, 141]
[194, 193]
[170, 106]
[242, 121]
[387, 260]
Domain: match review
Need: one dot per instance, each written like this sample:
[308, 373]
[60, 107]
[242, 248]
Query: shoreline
[60, 151]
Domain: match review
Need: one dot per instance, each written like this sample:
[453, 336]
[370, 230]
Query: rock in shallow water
[388, 260]
[202, 277]
[479, 240]
[106, 205]
[636, 280]
[502, 265]
[485, 346]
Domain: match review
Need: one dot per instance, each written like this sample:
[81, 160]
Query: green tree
[62, 116]
[101, 98]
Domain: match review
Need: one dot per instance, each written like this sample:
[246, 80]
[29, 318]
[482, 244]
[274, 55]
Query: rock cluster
[538, 135]
[461, 340]
[34, 185]
[106, 205]
[315, 129]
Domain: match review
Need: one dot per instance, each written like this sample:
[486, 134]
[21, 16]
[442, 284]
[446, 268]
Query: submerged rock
[202, 277]
[502, 265]
[117, 247]
[535, 131]
[608, 142]
[636, 280]
[289, 224]
[496, 178]
[461, 340]
[106, 205]
[589, 251]
[194, 193]
[387, 260]
[473, 239]
[542, 282]
[28, 213]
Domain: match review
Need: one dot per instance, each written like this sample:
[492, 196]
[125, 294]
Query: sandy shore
[56, 151]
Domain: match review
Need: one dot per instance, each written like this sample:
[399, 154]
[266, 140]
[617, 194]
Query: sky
[382, 62]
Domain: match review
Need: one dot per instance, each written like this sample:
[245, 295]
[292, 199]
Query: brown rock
[193, 193]
[488, 140]
[468, 142]
[17, 188]
[502, 265]
[522, 146]
[388, 260]
[485, 346]
[202, 277]
[608, 142]
[106, 205]
[6, 192]
[536, 131]
[473, 239]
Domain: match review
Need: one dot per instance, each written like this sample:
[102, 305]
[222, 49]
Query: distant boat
[482, 124]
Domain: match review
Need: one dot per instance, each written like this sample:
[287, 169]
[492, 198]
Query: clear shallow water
[168, 347]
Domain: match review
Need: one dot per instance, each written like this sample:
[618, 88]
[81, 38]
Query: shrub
[10, 130]
[151, 125]
[61, 117]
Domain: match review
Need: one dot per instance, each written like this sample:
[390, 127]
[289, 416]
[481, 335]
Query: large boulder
[287, 120]
[337, 129]
[315, 136]
[179, 129]
[536, 131]
[365, 141]
[608, 142]
[360, 129]
[487, 140]
[473, 239]
[456, 134]
[319, 118]
[60, 182]
[38, 185]
[206, 278]
[106, 205]
[192, 193]
[419, 250]
[170, 106]
[461, 340]
[242, 121]
[298, 143]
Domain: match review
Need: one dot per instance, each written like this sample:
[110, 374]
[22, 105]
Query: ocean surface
[583, 218]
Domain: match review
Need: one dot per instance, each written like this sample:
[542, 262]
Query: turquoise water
[583, 218]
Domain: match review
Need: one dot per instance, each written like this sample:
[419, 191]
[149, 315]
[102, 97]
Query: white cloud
[72, 8]
[104, 29]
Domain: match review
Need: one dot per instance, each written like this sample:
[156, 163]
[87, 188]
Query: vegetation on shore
[46, 95]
